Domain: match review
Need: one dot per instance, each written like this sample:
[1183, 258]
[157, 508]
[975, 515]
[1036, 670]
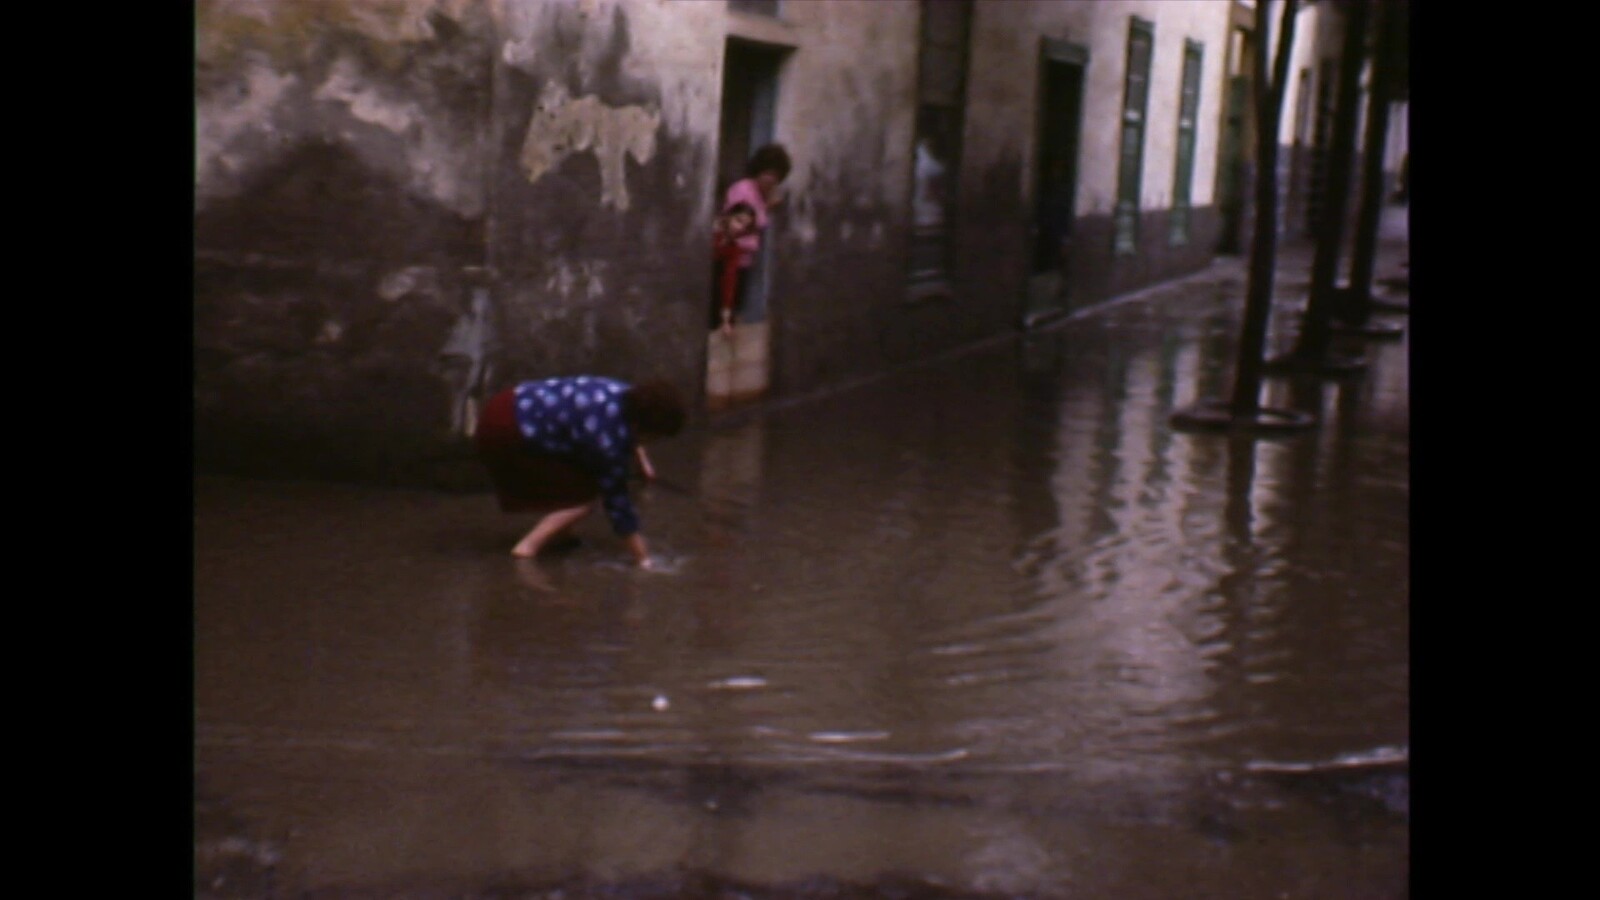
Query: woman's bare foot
[549, 527]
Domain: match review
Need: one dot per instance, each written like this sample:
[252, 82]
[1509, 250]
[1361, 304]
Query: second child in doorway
[728, 277]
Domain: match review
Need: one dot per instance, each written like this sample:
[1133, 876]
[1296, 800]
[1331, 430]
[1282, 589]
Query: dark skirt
[525, 479]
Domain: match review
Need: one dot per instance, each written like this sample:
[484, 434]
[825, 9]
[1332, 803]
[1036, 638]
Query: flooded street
[987, 626]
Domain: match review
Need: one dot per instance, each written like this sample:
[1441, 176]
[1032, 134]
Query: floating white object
[739, 683]
[848, 737]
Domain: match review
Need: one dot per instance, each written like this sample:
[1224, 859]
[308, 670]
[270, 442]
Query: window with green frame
[1135, 97]
[1188, 107]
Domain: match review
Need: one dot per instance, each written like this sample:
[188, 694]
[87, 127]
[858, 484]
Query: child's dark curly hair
[654, 408]
[769, 158]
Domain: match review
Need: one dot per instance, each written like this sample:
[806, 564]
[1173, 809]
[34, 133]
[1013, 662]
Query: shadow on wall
[321, 202]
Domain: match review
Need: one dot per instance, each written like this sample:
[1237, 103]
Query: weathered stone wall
[845, 113]
[362, 165]
[340, 193]
[403, 205]
[606, 121]
[1002, 134]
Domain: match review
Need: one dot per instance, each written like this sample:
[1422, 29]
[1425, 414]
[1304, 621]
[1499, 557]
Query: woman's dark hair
[654, 407]
[770, 158]
[740, 207]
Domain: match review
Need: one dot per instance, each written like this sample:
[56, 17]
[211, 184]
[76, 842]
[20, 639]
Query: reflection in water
[993, 620]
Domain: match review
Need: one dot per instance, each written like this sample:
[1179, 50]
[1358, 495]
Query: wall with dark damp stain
[402, 206]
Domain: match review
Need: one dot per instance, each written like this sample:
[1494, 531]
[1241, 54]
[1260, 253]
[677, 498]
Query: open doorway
[1061, 68]
[738, 369]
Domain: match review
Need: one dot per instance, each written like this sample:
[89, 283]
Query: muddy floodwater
[990, 626]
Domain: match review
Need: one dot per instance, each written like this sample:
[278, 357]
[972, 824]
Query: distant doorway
[738, 369]
[1061, 68]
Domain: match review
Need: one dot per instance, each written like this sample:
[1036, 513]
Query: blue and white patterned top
[580, 417]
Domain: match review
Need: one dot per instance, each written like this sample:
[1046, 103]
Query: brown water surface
[992, 624]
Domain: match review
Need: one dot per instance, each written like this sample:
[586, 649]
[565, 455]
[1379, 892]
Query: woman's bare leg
[548, 527]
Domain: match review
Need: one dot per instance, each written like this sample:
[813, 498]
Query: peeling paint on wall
[249, 110]
[366, 102]
[465, 360]
[405, 281]
[441, 161]
[391, 83]
[405, 20]
[280, 22]
[562, 126]
[585, 277]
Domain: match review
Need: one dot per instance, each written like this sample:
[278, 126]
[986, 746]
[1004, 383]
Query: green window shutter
[1136, 91]
[1188, 110]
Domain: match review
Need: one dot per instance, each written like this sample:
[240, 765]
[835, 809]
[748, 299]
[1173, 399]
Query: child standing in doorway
[761, 190]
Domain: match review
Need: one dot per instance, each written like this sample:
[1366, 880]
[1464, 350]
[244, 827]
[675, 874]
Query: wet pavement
[988, 626]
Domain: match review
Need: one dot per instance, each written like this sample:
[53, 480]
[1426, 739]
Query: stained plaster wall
[1002, 134]
[1325, 41]
[607, 114]
[846, 114]
[363, 165]
[1319, 38]
[404, 204]
[1316, 38]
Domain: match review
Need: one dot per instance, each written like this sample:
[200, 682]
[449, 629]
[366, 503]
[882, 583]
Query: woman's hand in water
[645, 465]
